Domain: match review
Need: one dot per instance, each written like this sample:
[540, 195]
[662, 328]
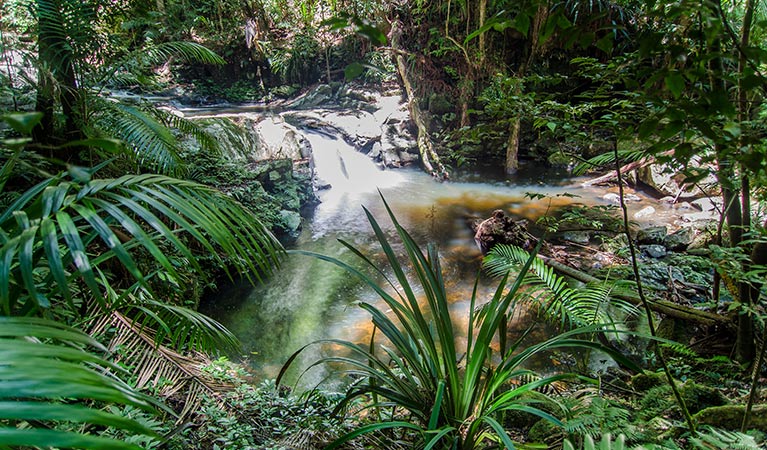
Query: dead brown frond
[178, 378]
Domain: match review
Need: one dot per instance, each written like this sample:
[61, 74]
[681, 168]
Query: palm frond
[179, 328]
[185, 51]
[48, 377]
[605, 159]
[60, 231]
[150, 143]
[207, 141]
[156, 366]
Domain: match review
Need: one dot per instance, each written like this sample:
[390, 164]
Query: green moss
[645, 381]
[660, 402]
[731, 417]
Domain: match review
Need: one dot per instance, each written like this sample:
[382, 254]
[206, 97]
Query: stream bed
[309, 299]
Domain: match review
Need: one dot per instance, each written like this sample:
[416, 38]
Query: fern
[583, 306]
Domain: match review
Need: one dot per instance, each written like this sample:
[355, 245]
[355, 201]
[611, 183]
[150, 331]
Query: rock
[703, 216]
[666, 180]
[644, 212]
[280, 140]
[680, 239]
[652, 235]
[708, 204]
[683, 206]
[501, 229]
[615, 199]
[291, 222]
[730, 417]
[654, 251]
[320, 95]
[578, 237]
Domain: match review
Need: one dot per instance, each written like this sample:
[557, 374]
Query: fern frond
[586, 305]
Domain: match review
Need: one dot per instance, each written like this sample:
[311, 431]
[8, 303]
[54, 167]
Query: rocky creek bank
[268, 161]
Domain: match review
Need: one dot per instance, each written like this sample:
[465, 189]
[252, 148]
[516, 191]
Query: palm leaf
[47, 376]
[60, 231]
[149, 142]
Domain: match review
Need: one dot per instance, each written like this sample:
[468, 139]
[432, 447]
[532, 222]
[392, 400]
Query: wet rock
[578, 237]
[684, 206]
[644, 213]
[703, 216]
[654, 251]
[666, 180]
[707, 204]
[680, 239]
[279, 140]
[290, 223]
[615, 199]
[652, 235]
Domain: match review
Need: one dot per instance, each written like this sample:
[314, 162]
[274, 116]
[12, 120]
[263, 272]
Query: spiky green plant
[452, 401]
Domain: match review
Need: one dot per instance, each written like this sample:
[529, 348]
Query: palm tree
[88, 252]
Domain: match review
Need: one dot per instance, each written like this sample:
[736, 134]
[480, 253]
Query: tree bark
[429, 158]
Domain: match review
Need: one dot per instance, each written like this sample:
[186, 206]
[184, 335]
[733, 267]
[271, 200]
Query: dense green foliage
[111, 222]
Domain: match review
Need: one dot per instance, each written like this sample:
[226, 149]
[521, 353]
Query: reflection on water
[309, 299]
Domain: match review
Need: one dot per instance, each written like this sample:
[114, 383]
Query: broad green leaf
[23, 123]
[675, 83]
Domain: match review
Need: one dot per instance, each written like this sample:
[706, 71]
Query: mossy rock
[643, 382]
[731, 416]
[660, 401]
[544, 431]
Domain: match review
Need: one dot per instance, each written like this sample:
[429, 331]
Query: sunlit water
[309, 299]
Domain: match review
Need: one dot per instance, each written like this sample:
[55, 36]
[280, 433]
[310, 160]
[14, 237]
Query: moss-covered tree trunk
[429, 158]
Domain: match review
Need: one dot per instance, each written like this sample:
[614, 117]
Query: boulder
[652, 235]
[667, 180]
[577, 237]
[502, 229]
[680, 239]
[654, 251]
[644, 213]
[280, 140]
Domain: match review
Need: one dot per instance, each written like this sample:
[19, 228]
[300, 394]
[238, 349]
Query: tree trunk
[512, 147]
[55, 55]
[429, 158]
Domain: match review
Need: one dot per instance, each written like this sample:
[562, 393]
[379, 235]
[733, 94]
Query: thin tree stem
[646, 304]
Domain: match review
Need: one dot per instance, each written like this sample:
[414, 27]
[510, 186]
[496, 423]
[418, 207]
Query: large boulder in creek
[280, 140]
[667, 181]
[502, 229]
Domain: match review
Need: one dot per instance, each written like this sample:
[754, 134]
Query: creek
[309, 299]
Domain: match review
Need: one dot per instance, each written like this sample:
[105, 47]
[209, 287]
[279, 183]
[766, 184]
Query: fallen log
[613, 175]
[666, 307]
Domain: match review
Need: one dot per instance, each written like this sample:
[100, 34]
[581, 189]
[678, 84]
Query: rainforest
[383, 224]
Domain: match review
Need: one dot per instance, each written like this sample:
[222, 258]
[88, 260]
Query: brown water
[309, 299]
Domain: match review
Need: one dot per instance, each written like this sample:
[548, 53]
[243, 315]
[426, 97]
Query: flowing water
[309, 299]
